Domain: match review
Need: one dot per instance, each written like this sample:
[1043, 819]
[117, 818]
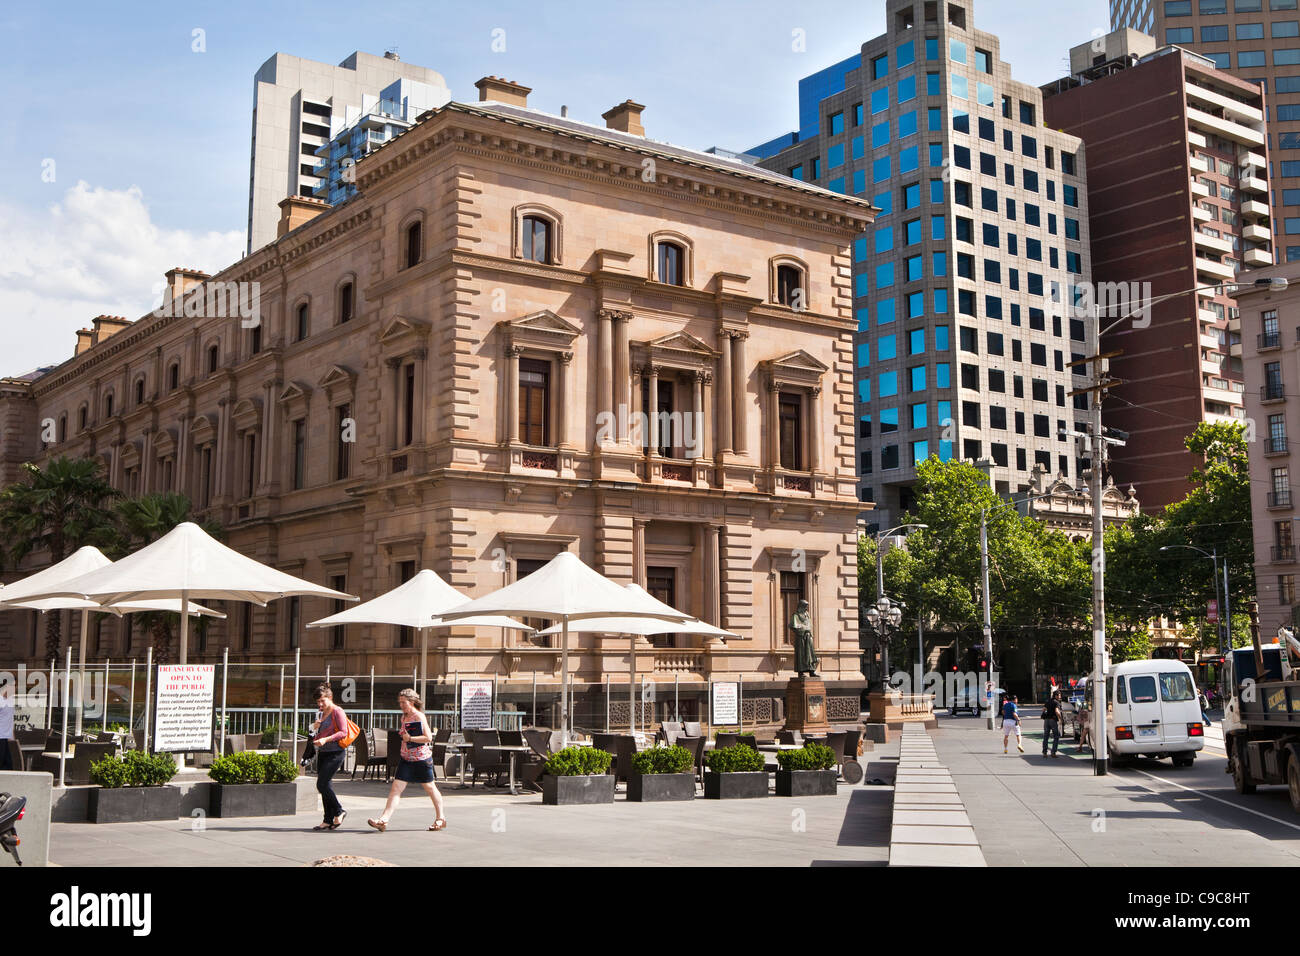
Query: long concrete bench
[930, 826]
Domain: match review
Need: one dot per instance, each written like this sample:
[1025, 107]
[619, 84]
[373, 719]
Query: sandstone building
[447, 371]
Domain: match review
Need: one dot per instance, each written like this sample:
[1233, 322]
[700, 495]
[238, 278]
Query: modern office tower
[964, 286]
[295, 106]
[1177, 201]
[1257, 41]
[360, 131]
[1273, 404]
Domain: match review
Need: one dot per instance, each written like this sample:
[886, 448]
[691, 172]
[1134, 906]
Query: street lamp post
[1097, 453]
[885, 610]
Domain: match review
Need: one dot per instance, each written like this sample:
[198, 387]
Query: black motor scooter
[11, 811]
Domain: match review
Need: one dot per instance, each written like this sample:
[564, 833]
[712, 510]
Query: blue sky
[149, 140]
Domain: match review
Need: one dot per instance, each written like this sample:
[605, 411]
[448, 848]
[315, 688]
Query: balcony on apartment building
[1214, 243]
[1256, 233]
[1272, 392]
[1282, 553]
[1269, 340]
[1222, 395]
[1219, 121]
[1253, 207]
[1276, 445]
[1258, 257]
[1280, 497]
[1219, 271]
[1200, 189]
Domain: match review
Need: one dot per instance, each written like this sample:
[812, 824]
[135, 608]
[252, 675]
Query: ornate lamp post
[884, 618]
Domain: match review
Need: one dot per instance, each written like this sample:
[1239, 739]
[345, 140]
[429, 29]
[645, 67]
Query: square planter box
[254, 800]
[568, 791]
[806, 783]
[735, 786]
[133, 804]
[660, 787]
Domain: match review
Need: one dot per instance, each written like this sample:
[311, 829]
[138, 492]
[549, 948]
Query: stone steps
[930, 826]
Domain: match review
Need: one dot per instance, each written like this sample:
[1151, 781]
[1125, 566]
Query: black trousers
[1052, 732]
[328, 763]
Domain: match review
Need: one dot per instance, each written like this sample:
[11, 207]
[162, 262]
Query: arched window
[303, 328]
[173, 376]
[537, 239]
[255, 338]
[414, 245]
[214, 357]
[139, 392]
[82, 415]
[671, 263]
[108, 405]
[63, 428]
[346, 303]
[790, 287]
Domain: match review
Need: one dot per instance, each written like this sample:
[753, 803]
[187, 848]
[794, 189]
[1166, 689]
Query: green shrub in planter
[579, 762]
[738, 759]
[662, 760]
[813, 756]
[280, 767]
[236, 768]
[134, 769]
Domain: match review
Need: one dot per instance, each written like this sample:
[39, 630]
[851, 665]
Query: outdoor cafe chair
[392, 750]
[625, 748]
[512, 738]
[252, 741]
[15, 755]
[726, 740]
[29, 736]
[692, 728]
[77, 772]
[669, 731]
[54, 742]
[361, 752]
[789, 737]
[835, 740]
[749, 740]
[696, 746]
[483, 761]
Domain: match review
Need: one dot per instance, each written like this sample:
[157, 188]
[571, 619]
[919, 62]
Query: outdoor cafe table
[462, 748]
[514, 750]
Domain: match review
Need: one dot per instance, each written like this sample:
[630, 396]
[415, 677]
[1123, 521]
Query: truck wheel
[1293, 782]
[1117, 760]
[1239, 777]
[1183, 761]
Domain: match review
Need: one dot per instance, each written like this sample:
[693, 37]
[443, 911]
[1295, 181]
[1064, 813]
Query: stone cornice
[522, 141]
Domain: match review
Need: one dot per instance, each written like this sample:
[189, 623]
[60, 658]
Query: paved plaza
[1024, 809]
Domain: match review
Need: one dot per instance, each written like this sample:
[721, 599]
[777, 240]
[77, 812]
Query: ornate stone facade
[428, 387]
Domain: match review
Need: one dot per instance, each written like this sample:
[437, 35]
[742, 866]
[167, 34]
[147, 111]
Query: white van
[1152, 710]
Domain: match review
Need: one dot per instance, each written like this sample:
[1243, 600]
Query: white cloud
[95, 252]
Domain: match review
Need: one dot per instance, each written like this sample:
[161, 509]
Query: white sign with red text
[183, 713]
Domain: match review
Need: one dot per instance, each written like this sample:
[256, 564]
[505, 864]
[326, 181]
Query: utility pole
[988, 616]
[1097, 457]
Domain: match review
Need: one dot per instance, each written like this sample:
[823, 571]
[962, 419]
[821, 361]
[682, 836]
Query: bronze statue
[805, 655]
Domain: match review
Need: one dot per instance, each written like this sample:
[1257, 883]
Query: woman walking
[416, 765]
[330, 728]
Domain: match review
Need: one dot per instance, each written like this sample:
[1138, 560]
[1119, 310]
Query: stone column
[636, 428]
[653, 411]
[512, 393]
[392, 427]
[739, 373]
[774, 424]
[814, 429]
[697, 419]
[605, 364]
[712, 575]
[622, 362]
[709, 446]
[421, 392]
[561, 398]
[725, 428]
[638, 550]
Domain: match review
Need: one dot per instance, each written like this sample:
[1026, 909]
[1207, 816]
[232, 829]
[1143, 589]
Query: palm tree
[142, 521]
[57, 510]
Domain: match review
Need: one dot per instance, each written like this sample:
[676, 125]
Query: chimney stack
[180, 280]
[85, 339]
[297, 211]
[106, 326]
[500, 90]
[626, 118]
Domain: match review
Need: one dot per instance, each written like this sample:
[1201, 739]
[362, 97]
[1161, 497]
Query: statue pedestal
[805, 706]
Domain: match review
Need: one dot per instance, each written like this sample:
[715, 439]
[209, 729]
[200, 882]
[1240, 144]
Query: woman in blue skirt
[416, 765]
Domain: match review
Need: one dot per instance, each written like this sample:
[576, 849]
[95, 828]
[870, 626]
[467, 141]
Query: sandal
[380, 825]
[338, 821]
[323, 826]
[438, 824]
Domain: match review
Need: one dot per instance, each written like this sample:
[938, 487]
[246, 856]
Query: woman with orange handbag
[333, 732]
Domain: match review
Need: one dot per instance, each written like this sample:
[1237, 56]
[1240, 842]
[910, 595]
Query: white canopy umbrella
[18, 596]
[635, 627]
[416, 603]
[567, 589]
[187, 563]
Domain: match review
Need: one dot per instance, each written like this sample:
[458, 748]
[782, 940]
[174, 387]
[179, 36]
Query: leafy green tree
[1143, 581]
[1038, 579]
[142, 521]
[56, 510]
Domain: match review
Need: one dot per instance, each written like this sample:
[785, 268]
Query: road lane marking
[1226, 803]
